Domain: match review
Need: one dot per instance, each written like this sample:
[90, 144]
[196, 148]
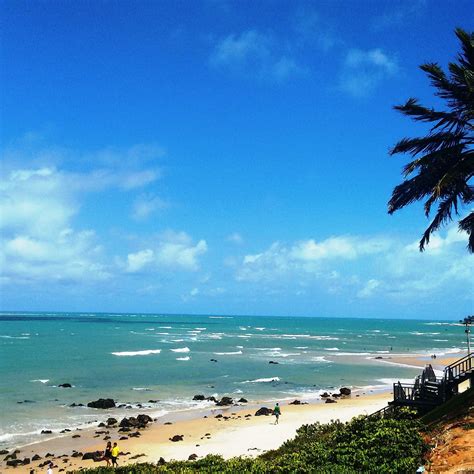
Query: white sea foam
[136, 353]
[181, 349]
[214, 336]
[265, 380]
[13, 337]
[260, 329]
[331, 349]
[301, 347]
[440, 340]
[283, 354]
[227, 353]
[221, 317]
[163, 333]
[141, 389]
[40, 380]
[177, 340]
[183, 358]
[200, 329]
[352, 353]
[239, 347]
[268, 348]
[322, 359]
[165, 327]
[149, 329]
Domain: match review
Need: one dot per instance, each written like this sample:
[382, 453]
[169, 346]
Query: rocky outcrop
[345, 391]
[65, 385]
[330, 400]
[199, 397]
[242, 400]
[176, 438]
[225, 401]
[102, 403]
[264, 411]
[95, 456]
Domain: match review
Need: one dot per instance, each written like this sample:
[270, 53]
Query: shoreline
[228, 431]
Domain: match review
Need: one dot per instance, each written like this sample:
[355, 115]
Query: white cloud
[235, 238]
[254, 54]
[364, 70]
[145, 205]
[369, 289]
[172, 250]
[136, 261]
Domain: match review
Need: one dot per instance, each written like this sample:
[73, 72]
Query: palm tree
[443, 160]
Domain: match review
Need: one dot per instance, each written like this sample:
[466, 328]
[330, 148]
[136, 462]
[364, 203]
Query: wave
[177, 340]
[221, 317]
[352, 353]
[200, 329]
[265, 380]
[141, 389]
[182, 349]
[440, 340]
[260, 329]
[227, 353]
[214, 336]
[301, 347]
[14, 337]
[136, 353]
[40, 380]
[165, 327]
[283, 354]
[183, 358]
[331, 349]
[268, 348]
[322, 359]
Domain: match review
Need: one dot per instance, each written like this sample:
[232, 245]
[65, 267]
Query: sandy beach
[238, 432]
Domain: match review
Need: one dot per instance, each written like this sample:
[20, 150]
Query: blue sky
[220, 157]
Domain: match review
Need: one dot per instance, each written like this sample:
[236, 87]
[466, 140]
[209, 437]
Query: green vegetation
[443, 164]
[386, 445]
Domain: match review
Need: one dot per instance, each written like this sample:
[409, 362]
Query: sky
[221, 157]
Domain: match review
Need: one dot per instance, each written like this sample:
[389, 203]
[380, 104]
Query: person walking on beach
[277, 412]
[50, 468]
[108, 453]
[115, 452]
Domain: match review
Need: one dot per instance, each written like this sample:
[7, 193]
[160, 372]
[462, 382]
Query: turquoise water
[135, 358]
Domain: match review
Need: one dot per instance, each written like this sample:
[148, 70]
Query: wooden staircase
[429, 391]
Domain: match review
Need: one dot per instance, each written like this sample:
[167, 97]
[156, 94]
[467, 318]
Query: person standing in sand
[277, 412]
[108, 453]
[50, 468]
[115, 452]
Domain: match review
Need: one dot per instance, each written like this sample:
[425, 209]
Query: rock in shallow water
[102, 403]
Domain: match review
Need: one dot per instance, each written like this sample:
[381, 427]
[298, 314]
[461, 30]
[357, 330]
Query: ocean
[160, 361]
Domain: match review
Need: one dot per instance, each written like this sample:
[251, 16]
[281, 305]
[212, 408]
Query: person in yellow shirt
[115, 453]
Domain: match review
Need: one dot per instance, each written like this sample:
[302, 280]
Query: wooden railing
[459, 368]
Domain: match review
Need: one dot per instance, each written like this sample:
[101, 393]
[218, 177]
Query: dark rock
[225, 401]
[153, 401]
[168, 423]
[125, 429]
[379, 357]
[137, 456]
[135, 435]
[101, 425]
[161, 462]
[65, 385]
[295, 402]
[263, 411]
[242, 400]
[14, 462]
[329, 400]
[10, 456]
[106, 438]
[274, 362]
[123, 437]
[144, 419]
[176, 438]
[336, 395]
[49, 455]
[46, 431]
[102, 403]
[199, 397]
[192, 457]
[3, 451]
[76, 436]
[36, 457]
[76, 454]
[111, 421]
[26, 461]
[213, 360]
[325, 395]
[92, 455]
[76, 405]
[211, 399]
[345, 391]
[218, 416]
